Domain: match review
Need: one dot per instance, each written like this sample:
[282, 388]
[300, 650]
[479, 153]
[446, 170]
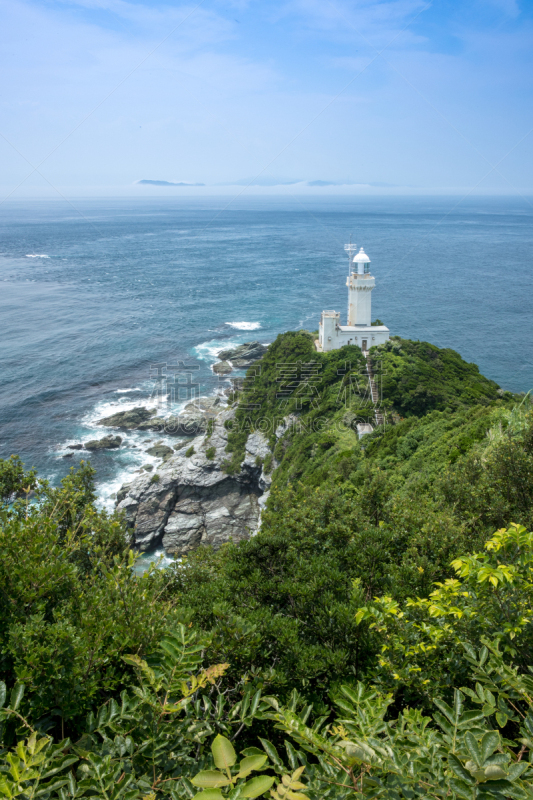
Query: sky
[310, 96]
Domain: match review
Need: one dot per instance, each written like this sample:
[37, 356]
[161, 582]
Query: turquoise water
[92, 295]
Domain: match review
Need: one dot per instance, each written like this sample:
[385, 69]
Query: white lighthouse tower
[360, 283]
[359, 329]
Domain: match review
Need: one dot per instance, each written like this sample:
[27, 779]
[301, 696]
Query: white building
[359, 330]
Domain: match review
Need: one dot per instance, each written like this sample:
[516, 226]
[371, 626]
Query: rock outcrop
[192, 421]
[107, 443]
[223, 368]
[244, 355]
[160, 451]
[128, 420]
[191, 501]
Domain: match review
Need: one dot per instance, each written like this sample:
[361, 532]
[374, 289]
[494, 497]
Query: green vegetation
[341, 526]
[210, 453]
[70, 604]
[373, 640]
[155, 478]
[189, 451]
[419, 377]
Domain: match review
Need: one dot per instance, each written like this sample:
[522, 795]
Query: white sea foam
[208, 351]
[36, 255]
[244, 326]
[107, 491]
[123, 391]
[107, 407]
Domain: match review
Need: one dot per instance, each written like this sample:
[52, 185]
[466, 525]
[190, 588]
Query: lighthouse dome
[361, 258]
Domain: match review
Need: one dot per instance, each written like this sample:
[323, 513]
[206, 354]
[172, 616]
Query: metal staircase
[378, 416]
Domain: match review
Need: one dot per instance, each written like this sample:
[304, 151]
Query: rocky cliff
[191, 501]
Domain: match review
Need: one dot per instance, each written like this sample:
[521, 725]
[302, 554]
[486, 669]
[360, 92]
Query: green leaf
[250, 764]
[210, 794]
[501, 719]
[52, 787]
[16, 696]
[489, 743]
[461, 788]
[255, 702]
[224, 754]
[2, 694]
[272, 753]
[444, 724]
[473, 749]
[458, 703]
[459, 770]
[507, 790]
[445, 708]
[469, 717]
[291, 753]
[65, 762]
[515, 770]
[470, 650]
[494, 773]
[210, 779]
[257, 786]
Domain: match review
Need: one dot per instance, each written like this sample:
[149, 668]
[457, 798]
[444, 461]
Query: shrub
[190, 451]
[267, 464]
[154, 478]
[210, 453]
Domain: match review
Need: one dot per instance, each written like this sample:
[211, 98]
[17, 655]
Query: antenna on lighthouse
[350, 249]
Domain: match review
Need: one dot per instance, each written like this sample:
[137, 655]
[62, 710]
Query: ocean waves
[245, 326]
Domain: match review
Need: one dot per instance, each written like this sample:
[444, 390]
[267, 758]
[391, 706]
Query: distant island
[146, 182]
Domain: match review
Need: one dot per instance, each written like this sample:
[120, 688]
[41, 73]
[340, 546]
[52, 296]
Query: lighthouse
[359, 329]
[360, 284]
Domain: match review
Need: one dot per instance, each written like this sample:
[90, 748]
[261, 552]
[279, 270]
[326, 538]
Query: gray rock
[194, 501]
[122, 492]
[107, 443]
[68, 455]
[224, 368]
[160, 451]
[285, 424]
[204, 405]
[249, 351]
[147, 467]
[257, 450]
[211, 516]
[147, 505]
[129, 420]
[243, 363]
[74, 447]
[190, 423]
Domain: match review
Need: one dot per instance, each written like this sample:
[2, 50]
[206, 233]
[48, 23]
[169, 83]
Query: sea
[96, 292]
